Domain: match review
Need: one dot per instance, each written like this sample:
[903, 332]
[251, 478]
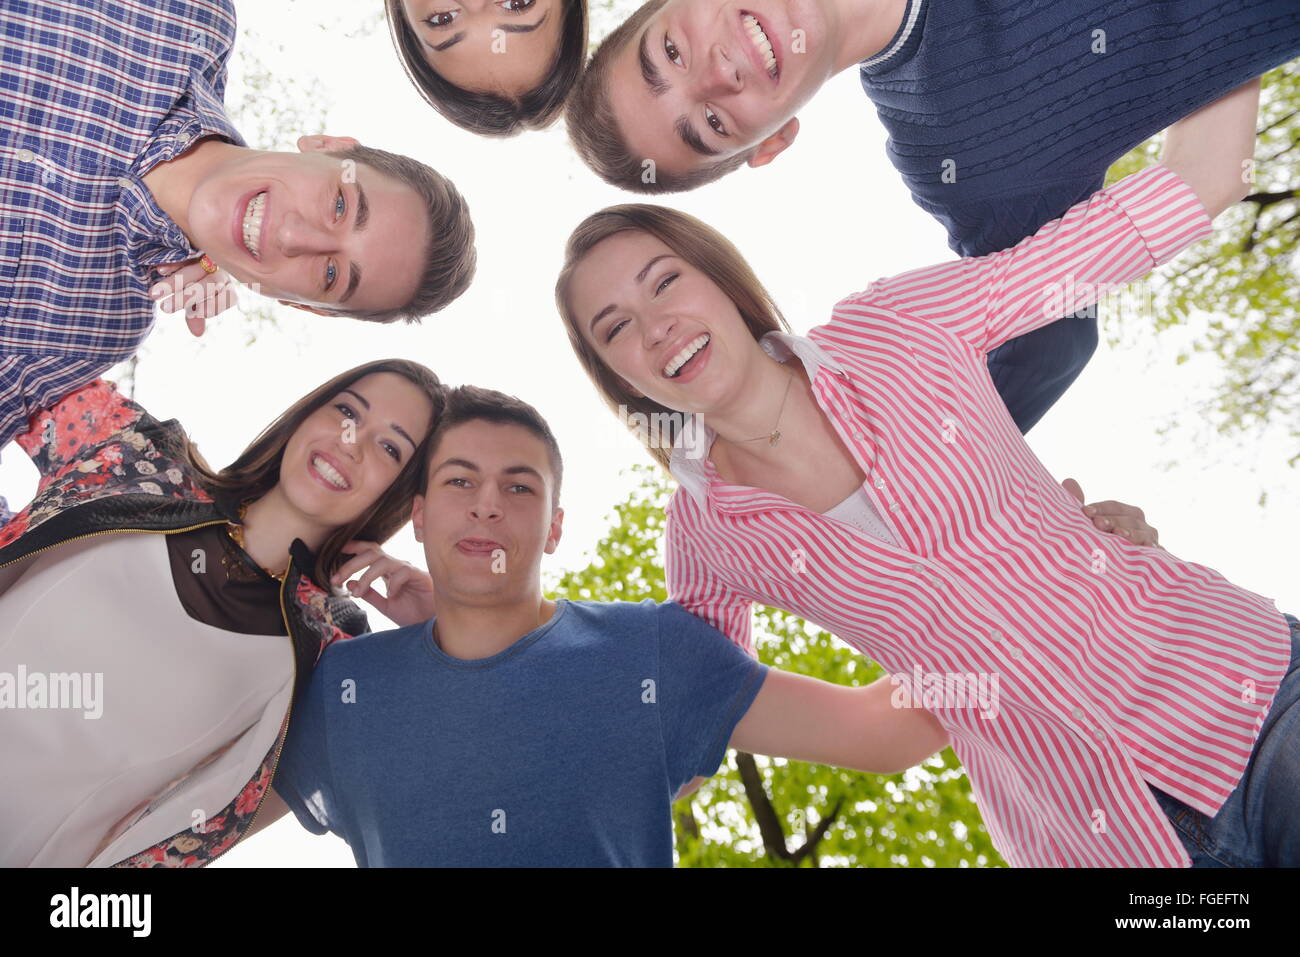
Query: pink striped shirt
[1116, 665]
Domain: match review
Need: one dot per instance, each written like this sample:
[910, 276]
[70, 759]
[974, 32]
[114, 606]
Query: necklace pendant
[774, 438]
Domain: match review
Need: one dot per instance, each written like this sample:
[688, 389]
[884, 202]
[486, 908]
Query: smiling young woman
[868, 478]
[238, 563]
[493, 67]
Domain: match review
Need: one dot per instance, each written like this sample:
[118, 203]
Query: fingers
[1127, 521]
[190, 287]
[1073, 488]
[363, 555]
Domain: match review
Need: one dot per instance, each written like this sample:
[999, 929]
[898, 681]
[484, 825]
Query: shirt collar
[153, 237]
[689, 460]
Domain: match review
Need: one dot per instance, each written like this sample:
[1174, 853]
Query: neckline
[516, 647]
[901, 46]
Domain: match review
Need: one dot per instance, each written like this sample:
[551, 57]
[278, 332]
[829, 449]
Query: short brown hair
[257, 469]
[468, 403]
[594, 130]
[491, 114]
[450, 258]
[694, 241]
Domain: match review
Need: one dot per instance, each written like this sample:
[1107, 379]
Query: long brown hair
[257, 469]
[694, 241]
[492, 114]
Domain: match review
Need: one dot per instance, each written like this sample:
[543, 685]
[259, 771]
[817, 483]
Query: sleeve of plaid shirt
[29, 384]
[1117, 235]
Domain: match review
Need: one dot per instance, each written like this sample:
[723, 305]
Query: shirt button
[859, 436]
[916, 566]
[1078, 713]
[995, 635]
[26, 156]
[1015, 652]
[1099, 734]
[123, 182]
[879, 483]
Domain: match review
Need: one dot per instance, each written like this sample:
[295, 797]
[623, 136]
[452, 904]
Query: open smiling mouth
[684, 358]
[329, 473]
[762, 44]
[253, 217]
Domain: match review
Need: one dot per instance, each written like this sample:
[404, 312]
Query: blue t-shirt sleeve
[303, 778]
[706, 685]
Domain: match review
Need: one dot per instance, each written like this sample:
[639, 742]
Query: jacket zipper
[293, 658]
[116, 531]
[279, 745]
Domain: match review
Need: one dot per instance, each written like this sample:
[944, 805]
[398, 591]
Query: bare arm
[1213, 148]
[805, 719]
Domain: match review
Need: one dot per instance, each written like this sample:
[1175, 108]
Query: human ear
[775, 145]
[322, 143]
[417, 518]
[557, 529]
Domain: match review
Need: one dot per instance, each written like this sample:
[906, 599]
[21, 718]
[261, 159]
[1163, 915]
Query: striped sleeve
[1115, 236]
[694, 586]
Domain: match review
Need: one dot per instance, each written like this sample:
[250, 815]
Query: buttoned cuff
[1166, 213]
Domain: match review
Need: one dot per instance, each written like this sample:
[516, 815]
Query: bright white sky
[823, 221]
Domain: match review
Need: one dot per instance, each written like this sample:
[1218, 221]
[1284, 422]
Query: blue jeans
[1259, 824]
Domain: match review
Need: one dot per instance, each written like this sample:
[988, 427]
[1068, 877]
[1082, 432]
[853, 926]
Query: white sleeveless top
[858, 511]
[174, 691]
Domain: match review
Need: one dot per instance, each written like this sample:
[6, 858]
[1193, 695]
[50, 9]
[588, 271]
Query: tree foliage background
[1244, 282]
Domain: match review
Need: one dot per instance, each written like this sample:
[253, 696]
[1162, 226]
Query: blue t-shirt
[565, 749]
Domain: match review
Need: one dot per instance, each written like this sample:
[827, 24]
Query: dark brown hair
[694, 241]
[450, 258]
[467, 403]
[257, 469]
[492, 114]
[594, 130]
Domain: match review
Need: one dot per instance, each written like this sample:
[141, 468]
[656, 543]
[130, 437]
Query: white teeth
[329, 472]
[681, 358]
[761, 43]
[253, 224]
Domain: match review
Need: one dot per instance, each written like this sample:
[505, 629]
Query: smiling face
[347, 453]
[486, 517]
[460, 41]
[705, 80]
[661, 324]
[313, 229]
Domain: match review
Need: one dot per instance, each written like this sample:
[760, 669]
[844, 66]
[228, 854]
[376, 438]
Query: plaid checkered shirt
[93, 95]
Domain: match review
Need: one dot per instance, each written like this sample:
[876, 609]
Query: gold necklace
[774, 436]
[236, 533]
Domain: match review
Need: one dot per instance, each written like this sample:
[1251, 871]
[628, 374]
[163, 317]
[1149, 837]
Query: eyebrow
[366, 404]
[512, 470]
[640, 278]
[658, 87]
[507, 27]
[362, 220]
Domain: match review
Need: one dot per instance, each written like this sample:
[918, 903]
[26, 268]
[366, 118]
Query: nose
[297, 236]
[487, 506]
[720, 75]
[657, 329]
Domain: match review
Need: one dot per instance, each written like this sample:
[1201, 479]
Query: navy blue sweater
[1002, 114]
[1012, 93]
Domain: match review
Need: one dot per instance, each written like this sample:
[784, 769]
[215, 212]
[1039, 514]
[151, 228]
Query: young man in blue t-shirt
[515, 730]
